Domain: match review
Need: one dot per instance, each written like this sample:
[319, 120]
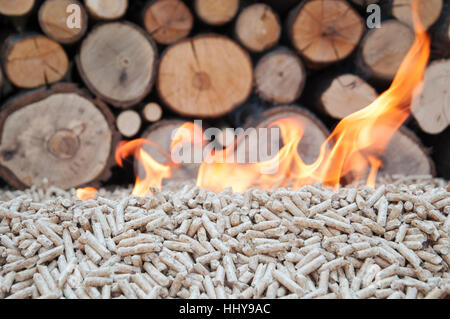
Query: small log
[429, 11]
[405, 155]
[432, 107]
[16, 8]
[161, 134]
[128, 123]
[383, 50]
[315, 133]
[206, 76]
[258, 27]
[168, 21]
[324, 31]
[106, 9]
[341, 95]
[442, 155]
[216, 12]
[53, 17]
[32, 60]
[60, 134]
[117, 62]
[280, 76]
[152, 112]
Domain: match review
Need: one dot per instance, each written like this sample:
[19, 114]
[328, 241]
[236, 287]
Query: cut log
[106, 9]
[206, 76]
[315, 133]
[117, 62]
[59, 134]
[429, 11]
[383, 50]
[442, 155]
[33, 60]
[405, 155]
[161, 134]
[324, 31]
[53, 19]
[280, 77]
[341, 95]
[258, 27]
[152, 112]
[128, 123]
[432, 107]
[216, 12]
[168, 21]
[16, 8]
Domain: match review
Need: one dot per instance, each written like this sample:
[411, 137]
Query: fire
[352, 149]
[86, 193]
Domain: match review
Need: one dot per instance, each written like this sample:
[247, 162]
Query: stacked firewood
[78, 76]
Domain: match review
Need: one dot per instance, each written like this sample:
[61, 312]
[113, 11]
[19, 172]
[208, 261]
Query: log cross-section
[59, 134]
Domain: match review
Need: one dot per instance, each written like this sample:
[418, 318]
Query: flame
[355, 144]
[86, 193]
[352, 149]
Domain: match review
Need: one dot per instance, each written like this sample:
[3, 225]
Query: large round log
[383, 50]
[206, 76]
[32, 60]
[16, 8]
[216, 12]
[432, 107]
[324, 31]
[53, 21]
[429, 11]
[117, 62]
[106, 9]
[60, 134]
[258, 27]
[168, 21]
[280, 76]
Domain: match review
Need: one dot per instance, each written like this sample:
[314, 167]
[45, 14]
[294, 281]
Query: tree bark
[168, 21]
[117, 62]
[106, 9]
[280, 76]
[32, 60]
[53, 21]
[216, 12]
[258, 27]
[383, 50]
[60, 134]
[324, 31]
[432, 107]
[206, 76]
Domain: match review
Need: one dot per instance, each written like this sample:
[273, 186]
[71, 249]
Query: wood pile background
[140, 68]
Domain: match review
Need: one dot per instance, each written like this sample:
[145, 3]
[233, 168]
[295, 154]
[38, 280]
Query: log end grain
[280, 77]
[319, 36]
[206, 76]
[383, 49]
[129, 123]
[53, 21]
[117, 62]
[216, 12]
[432, 108]
[33, 60]
[258, 27]
[168, 21]
[106, 9]
[16, 8]
[429, 11]
[152, 112]
[60, 134]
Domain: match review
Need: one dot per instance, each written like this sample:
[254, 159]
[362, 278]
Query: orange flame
[353, 148]
[86, 193]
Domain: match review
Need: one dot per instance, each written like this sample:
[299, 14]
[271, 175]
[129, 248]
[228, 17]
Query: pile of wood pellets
[389, 242]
